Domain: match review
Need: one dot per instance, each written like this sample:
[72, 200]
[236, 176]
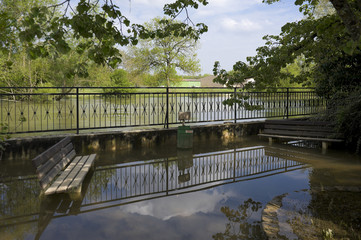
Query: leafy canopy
[320, 44]
[326, 47]
[99, 27]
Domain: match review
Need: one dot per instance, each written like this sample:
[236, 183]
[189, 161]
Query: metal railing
[25, 110]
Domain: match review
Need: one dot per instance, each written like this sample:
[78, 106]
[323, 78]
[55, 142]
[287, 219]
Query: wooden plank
[74, 171]
[82, 173]
[60, 179]
[47, 179]
[44, 156]
[42, 170]
[295, 122]
[297, 133]
[44, 182]
[300, 138]
[298, 127]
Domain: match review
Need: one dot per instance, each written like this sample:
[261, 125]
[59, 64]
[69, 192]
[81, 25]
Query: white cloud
[152, 3]
[183, 205]
[235, 27]
[240, 25]
[142, 3]
[219, 7]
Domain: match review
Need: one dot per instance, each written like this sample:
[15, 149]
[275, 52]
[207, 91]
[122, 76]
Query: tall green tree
[328, 43]
[16, 67]
[320, 37]
[164, 56]
[22, 67]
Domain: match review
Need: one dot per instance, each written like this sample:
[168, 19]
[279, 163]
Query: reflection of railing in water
[304, 144]
[133, 182]
[169, 175]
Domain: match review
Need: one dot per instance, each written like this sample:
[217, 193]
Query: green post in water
[184, 137]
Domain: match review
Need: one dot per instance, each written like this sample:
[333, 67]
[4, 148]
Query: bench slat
[43, 157]
[82, 173]
[302, 128]
[74, 171]
[52, 189]
[298, 133]
[298, 123]
[46, 167]
[57, 168]
[302, 138]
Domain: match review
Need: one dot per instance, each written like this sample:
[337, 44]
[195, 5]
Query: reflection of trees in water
[324, 178]
[240, 225]
[18, 231]
[18, 198]
[99, 182]
[339, 211]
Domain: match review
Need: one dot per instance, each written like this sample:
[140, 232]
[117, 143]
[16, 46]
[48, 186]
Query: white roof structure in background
[208, 82]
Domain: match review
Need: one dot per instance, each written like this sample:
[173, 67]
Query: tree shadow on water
[241, 225]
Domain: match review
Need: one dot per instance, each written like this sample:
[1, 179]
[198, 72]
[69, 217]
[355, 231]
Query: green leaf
[114, 62]
[83, 7]
[350, 47]
[126, 22]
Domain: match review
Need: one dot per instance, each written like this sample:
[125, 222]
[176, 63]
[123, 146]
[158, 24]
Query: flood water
[215, 191]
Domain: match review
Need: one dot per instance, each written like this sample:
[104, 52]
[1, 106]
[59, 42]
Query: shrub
[119, 80]
[344, 110]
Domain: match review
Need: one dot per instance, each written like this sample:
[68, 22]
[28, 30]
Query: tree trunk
[10, 49]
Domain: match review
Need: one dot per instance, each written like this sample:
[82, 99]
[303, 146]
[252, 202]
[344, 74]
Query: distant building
[201, 82]
[208, 82]
[249, 80]
[241, 85]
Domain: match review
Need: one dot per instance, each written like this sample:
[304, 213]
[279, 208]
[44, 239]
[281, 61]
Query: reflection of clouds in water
[181, 205]
[298, 175]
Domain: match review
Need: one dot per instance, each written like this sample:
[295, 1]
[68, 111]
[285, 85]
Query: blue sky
[236, 27]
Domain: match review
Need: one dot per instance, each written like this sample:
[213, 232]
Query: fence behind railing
[25, 110]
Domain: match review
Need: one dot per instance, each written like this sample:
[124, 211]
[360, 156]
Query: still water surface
[215, 191]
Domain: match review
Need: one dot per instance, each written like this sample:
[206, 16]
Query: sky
[235, 27]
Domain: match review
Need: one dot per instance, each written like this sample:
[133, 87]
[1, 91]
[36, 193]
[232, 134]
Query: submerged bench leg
[325, 146]
[270, 140]
[76, 193]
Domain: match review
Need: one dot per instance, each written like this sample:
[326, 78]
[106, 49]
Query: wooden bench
[300, 130]
[50, 164]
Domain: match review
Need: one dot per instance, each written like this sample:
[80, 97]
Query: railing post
[234, 164]
[167, 175]
[235, 105]
[167, 110]
[77, 110]
[288, 96]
